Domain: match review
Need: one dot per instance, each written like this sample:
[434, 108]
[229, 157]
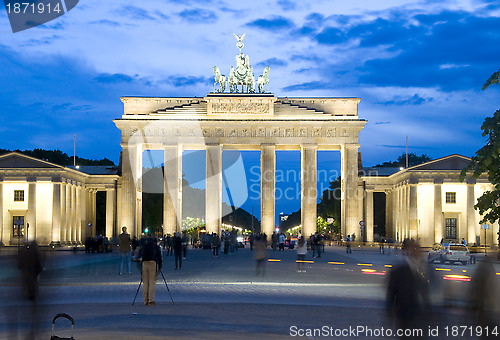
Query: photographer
[150, 253]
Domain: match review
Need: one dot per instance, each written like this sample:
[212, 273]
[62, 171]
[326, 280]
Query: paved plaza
[215, 298]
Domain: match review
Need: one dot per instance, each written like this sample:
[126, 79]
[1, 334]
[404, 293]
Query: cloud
[427, 57]
[274, 23]
[272, 62]
[135, 13]
[161, 15]
[384, 32]
[107, 78]
[413, 100]
[287, 5]
[180, 81]
[331, 36]
[44, 41]
[198, 15]
[71, 107]
[106, 22]
[312, 85]
[381, 123]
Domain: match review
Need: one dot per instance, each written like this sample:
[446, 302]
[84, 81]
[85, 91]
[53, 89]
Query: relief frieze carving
[246, 132]
[240, 108]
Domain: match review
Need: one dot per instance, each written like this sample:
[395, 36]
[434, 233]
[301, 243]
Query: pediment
[16, 160]
[452, 162]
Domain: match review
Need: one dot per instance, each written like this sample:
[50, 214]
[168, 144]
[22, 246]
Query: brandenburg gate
[242, 120]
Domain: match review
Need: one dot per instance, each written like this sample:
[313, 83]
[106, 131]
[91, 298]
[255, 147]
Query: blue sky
[418, 67]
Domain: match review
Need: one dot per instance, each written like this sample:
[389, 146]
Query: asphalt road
[223, 298]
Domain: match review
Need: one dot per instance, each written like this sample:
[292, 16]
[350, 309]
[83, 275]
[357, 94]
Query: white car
[450, 252]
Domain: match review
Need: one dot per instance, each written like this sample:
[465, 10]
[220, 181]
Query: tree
[487, 161]
[322, 226]
[329, 205]
[413, 159]
[59, 157]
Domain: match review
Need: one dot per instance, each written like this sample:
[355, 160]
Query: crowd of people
[98, 244]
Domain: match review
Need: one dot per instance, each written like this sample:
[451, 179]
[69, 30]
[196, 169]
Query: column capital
[308, 145]
[413, 181]
[438, 180]
[351, 145]
[470, 181]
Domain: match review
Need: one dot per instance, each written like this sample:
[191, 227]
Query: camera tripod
[166, 285]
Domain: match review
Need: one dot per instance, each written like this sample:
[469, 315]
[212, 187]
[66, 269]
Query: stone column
[413, 210]
[110, 211]
[267, 187]
[73, 212]
[56, 212]
[93, 211]
[213, 193]
[172, 189]
[30, 232]
[127, 217]
[78, 213]
[350, 197]
[369, 215]
[84, 203]
[62, 208]
[2, 225]
[309, 195]
[438, 210]
[471, 213]
[69, 220]
[389, 219]
[397, 211]
[138, 191]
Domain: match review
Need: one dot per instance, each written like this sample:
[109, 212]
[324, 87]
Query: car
[449, 252]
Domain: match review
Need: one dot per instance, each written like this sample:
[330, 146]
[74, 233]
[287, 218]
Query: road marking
[336, 263]
[372, 272]
[443, 269]
[300, 261]
[456, 277]
[388, 265]
[365, 264]
[212, 283]
[273, 260]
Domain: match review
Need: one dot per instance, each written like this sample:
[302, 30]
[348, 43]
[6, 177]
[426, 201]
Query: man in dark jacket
[151, 265]
[177, 243]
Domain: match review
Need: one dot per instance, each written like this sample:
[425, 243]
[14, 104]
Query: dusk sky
[418, 67]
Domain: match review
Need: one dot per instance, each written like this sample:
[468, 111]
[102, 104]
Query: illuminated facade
[51, 203]
[235, 121]
[427, 202]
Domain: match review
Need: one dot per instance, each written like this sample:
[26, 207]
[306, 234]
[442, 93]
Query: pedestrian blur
[30, 263]
[260, 255]
[407, 299]
[301, 254]
[484, 303]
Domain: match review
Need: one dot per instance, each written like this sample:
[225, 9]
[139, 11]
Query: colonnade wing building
[426, 202]
[52, 203]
